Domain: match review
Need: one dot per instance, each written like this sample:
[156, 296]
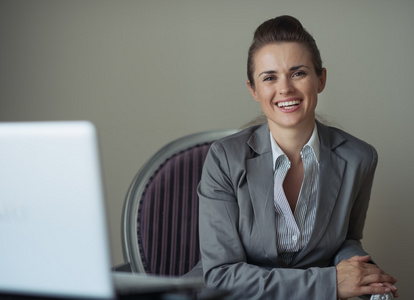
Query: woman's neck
[292, 140]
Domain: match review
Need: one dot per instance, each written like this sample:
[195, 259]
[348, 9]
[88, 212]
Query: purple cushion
[167, 222]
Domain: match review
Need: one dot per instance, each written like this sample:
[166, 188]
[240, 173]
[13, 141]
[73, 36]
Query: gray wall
[147, 72]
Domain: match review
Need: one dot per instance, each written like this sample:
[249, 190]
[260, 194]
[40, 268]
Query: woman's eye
[299, 74]
[270, 78]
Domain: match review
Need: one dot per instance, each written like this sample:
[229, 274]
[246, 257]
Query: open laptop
[53, 231]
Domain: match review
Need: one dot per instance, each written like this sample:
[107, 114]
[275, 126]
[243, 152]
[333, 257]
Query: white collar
[313, 143]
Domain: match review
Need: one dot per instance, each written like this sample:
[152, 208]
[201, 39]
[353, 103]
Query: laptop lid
[53, 238]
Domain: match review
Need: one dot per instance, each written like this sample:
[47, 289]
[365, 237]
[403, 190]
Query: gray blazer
[237, 216]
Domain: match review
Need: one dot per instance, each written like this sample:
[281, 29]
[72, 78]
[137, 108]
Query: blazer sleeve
[225, 262]
[352, 245]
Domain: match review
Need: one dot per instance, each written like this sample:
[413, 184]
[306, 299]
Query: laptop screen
[53, 232]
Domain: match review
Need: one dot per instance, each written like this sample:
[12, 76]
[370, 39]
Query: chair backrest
[160, 217]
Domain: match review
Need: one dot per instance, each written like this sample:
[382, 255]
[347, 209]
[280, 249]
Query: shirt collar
[313, 143]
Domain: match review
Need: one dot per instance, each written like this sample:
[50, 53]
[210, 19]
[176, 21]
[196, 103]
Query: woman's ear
[322, 81]
[252, 90]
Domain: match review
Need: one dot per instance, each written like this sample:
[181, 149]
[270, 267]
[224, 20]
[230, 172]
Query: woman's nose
[285, 86]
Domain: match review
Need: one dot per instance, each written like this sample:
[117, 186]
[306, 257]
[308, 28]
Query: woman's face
[286, 85]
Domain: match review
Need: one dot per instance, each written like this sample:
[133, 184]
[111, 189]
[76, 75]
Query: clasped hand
[357, 277]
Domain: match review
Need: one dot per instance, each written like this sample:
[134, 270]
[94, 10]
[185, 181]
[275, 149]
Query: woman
[283, 204]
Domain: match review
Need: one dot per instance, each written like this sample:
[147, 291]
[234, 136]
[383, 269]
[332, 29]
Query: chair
[160, 216]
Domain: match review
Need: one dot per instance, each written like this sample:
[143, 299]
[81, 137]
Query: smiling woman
[287, 86]
[283, 204]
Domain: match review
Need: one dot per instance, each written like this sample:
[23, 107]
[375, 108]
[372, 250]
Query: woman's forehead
[282, 56]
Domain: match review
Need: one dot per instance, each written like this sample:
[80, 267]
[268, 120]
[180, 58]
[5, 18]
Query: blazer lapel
[260, 181]
[330, 179]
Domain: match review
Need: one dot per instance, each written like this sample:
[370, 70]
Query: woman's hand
[356, 277]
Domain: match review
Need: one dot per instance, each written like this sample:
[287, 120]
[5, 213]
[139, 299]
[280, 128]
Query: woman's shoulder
[240, 136]
[342, 141]
[350, 138]
[235, 148]
[238, 140]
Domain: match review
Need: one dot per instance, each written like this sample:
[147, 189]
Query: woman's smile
[286, 85]
[288, 105]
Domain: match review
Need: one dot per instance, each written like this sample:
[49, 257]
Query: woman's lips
[288, 104]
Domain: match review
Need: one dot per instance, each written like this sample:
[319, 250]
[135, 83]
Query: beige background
[147, 72]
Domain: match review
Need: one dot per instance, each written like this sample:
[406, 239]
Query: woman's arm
[356, 273]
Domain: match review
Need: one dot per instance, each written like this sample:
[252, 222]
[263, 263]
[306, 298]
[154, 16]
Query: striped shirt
[293, 230]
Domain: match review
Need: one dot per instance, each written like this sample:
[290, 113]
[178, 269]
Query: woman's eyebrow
[294, 68]
[267, 73]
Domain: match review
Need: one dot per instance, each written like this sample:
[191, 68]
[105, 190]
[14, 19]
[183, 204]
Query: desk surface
[182, 295]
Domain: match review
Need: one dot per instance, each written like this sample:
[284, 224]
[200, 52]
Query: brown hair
[282, 29]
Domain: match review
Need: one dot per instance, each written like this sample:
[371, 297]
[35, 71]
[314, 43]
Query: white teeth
[288, 103]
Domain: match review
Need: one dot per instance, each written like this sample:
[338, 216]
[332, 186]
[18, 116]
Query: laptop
[53, 226]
